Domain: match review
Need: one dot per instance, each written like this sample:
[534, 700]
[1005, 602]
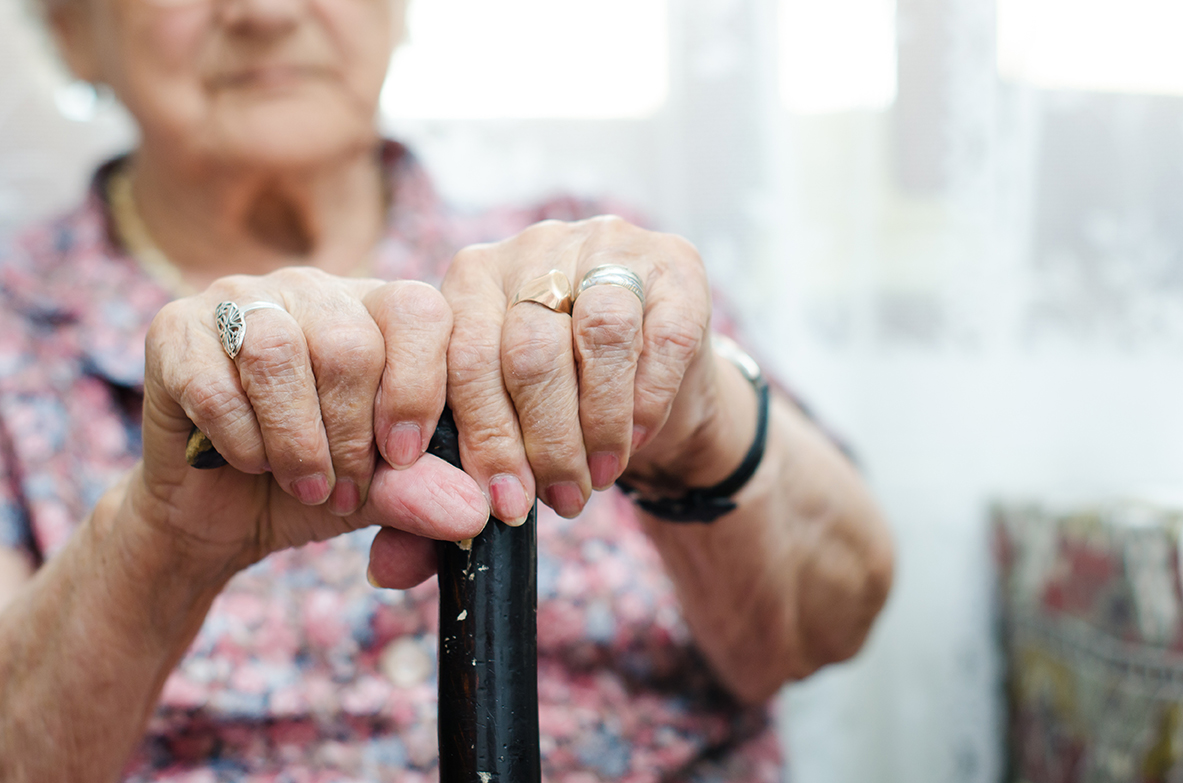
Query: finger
[415, 322]
[188, 381]
[606, 323]
[347, 354]
[401, 560]
[278, 379]
[538, 366]
[677, 314]
[491, 446]
[431, 499]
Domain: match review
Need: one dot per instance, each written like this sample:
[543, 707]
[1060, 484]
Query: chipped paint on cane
[485, 776]
[466, 544]
[463, 614]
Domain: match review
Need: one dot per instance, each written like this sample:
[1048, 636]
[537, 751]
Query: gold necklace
[136, 240]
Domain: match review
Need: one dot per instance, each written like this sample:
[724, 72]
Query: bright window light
[472, 59]
[1100, 45]
[837, 55]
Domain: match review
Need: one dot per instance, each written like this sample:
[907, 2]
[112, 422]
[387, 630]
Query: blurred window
[587, 59]
[837, 55]
[1101, 45]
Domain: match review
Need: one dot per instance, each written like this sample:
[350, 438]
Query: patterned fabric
[1094, 640]
[302, 671]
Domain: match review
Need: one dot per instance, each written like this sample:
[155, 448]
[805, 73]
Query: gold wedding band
[552, 291]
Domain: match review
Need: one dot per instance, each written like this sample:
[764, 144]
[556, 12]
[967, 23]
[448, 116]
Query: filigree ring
[231, 323]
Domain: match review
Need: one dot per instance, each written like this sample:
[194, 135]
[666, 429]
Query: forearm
[85, 648]
[793, 578]
[16, 568]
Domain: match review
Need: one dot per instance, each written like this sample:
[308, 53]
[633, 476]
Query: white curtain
[976, 281]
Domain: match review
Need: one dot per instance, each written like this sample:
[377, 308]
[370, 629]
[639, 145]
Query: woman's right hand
[351, 365]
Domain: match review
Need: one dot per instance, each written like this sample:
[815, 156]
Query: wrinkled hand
[557, 405]
[352, 365]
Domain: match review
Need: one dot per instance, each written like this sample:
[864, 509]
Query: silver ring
[231, 323]
[613, 274]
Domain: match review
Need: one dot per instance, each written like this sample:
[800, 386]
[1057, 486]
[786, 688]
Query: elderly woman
[166, 623]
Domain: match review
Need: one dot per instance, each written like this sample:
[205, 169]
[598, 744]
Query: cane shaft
[488, 653]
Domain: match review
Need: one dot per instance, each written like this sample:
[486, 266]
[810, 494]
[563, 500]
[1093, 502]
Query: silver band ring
[231, 323]
[613, 274]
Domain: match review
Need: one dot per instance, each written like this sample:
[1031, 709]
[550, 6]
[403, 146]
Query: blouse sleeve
[15, 530]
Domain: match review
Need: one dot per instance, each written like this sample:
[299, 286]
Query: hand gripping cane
[488, 645]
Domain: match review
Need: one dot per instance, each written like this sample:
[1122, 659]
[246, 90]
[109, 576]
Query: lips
[270, 76]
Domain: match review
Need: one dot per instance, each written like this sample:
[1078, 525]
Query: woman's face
[264, 82]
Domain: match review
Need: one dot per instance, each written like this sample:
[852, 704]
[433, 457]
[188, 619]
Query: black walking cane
[488, 654]
[488, 646]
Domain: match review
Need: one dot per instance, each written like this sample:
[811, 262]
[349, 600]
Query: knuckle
[208, 400]
[650, 402]
[683, 249]
[355, 354]
[609, 330]
[220, 411]
[609, 224]
[606, 399]
[606, 423]
[234, 288]
[678, 340]
[164, 329]
[486, 435]
[274, 352]
[485, 428]
[469, 260]
[299, 276]
[355, 452]
[553, 435]
[550, 453]
[546, 227]
[420, 304]
[167, 319]
[472, 357]
[534, 355]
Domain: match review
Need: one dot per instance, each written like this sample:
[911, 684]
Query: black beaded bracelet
[706, 504]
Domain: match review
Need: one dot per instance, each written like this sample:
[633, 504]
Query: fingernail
[370, 578]
[345, 498]
[603, 466]
[404, 445]
[511, 504]
[566, 498]
[311, 490]
[639, 435]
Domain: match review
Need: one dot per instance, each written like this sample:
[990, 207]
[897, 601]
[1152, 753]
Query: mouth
[269, 77]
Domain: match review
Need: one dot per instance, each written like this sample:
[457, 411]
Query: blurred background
[951, 225]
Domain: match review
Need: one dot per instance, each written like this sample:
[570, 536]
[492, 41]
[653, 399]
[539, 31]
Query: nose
[264, 18]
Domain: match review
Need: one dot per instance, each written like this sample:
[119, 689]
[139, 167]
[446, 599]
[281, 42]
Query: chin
[287, 134]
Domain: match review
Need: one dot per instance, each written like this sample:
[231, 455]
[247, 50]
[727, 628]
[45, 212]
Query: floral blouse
[302, 671]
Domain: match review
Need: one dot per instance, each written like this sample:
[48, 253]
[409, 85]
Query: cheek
[363, 35]
[177, 37]
[159, 61]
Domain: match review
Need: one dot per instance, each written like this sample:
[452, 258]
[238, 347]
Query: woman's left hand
[556, 405]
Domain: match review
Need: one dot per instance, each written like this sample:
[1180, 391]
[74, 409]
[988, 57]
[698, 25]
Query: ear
[73, 30]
